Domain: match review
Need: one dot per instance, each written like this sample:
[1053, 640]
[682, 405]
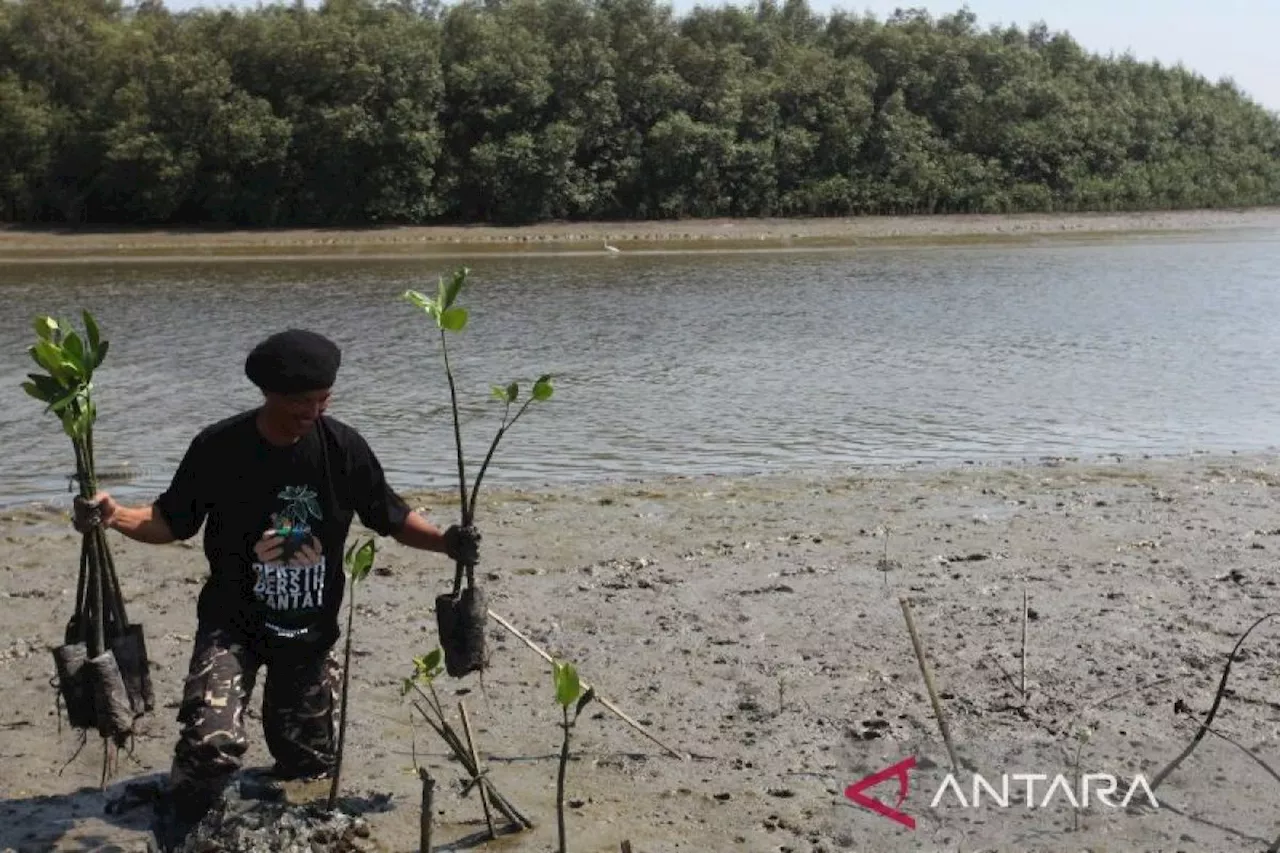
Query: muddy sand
[755, 623]
[189, 244]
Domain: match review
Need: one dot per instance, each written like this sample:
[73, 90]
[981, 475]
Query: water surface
[690, 364]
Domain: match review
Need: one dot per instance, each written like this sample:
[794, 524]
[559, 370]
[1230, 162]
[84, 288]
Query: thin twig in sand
[928, 683]
[1023, 685]
[1264, 765]
[683, 756]
[475, 760]
[442, 728]
[1213, 709]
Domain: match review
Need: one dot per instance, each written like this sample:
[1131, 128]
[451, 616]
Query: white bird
[614, 249]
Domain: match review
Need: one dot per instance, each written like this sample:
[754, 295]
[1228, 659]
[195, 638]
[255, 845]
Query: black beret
[294, 361]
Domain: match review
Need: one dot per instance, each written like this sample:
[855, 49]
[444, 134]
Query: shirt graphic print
[290, 565]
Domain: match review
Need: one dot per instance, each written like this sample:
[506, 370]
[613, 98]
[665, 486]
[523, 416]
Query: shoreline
[446, 496]
[23, 244]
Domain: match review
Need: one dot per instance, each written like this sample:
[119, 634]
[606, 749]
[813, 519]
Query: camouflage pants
[298, 704]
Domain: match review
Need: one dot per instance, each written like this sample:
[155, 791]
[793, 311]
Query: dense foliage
[395, 111]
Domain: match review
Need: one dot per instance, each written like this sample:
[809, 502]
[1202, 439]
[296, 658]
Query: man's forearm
[142, 524]
[417, 532]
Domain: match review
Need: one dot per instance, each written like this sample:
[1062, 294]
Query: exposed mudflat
[20, 244]
[756, 623]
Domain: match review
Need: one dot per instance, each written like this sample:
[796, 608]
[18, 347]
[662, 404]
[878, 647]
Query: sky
[1223, 38]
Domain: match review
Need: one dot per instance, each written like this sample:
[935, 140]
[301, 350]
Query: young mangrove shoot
[449, 316]
[358, 561]
[426, 669]
[568, 692]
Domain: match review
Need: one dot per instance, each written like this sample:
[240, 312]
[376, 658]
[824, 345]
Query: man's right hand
[97, 511]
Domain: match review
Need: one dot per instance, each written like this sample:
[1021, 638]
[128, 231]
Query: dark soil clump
[240, 824]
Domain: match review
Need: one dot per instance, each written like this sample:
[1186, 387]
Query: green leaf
[32, 389]
[91, 329]
[584, 700]
[48, 355]
[360, 561]
[426, 303]
[427, 667]
[568, 688]
[49, 388]
[498, 393]
[433, 659]
[513, 392]
[45, 328]
[454, 319]
[47, 382]
[54, 359]
[542, 389]
[449, 293]
[406, 686]
[59, 405]
[441, 293]
[73, 349]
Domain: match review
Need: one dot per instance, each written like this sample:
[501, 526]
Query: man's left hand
[462, 544]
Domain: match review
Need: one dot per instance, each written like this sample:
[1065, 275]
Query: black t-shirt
[240, 486]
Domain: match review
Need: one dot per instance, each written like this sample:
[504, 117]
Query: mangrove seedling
[568, 692]
[426, 669]
[461, 615]
[102, 667]
[358, 561]
[452, 317]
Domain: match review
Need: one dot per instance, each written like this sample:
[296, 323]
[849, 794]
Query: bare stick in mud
[683, 756]
[475, 762]
[1075, 813]
[1256, 760]
[1213, 709]
[460, 752]
[1023, 681]
[928, 683]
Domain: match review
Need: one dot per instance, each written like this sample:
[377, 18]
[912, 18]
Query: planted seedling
[358, 561]
[461, 615]
[426, 669]
[568, 692]
[102, 667]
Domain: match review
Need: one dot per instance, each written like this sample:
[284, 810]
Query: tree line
[366, 112]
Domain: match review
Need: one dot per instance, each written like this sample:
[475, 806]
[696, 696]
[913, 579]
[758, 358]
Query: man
[275, 488]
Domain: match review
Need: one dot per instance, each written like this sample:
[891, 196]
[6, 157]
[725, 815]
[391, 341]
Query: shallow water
[690, 364]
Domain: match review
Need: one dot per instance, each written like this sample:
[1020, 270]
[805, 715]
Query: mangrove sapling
[426, 669]
[358, 561]
[461, 614]
[102, 666]
[568, 691]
